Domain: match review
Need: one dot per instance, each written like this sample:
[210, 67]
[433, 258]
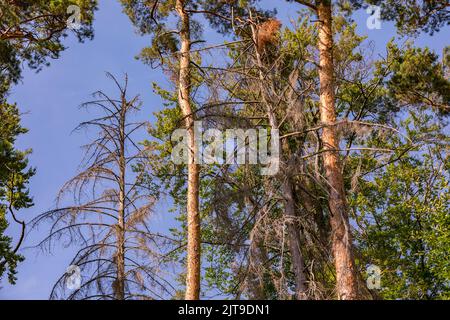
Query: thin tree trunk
[258, 258]
[193, 215]
[298, 263]
[120, 282]
[346, 275]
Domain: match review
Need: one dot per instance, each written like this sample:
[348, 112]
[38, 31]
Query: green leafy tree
[410, 17]
[34, 29]
[108, 218]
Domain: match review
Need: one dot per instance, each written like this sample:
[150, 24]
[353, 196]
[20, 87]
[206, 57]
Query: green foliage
[401, 207]
[392, 129]
[223, 11]
[411, 17]
[10, 67]
[146, 15]
[30, 31]
[418, 78]
[405, 213]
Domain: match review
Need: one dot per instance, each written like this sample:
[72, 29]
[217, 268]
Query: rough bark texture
[346, 275]
[193, 215]
[120, 258]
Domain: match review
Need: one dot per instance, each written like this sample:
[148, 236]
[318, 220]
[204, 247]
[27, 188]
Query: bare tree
[119, 256]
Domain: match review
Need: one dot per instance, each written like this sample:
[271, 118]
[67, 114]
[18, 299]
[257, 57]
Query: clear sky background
[50, 99]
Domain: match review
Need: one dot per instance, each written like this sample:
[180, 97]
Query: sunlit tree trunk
[298, 263]
[193, 215]
[346, 275]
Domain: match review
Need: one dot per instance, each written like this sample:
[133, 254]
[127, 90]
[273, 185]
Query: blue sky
[50, 99]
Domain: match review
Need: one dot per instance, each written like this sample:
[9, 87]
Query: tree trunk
[120, 281]
[193, 215]
[298, 263]
[346, 275]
